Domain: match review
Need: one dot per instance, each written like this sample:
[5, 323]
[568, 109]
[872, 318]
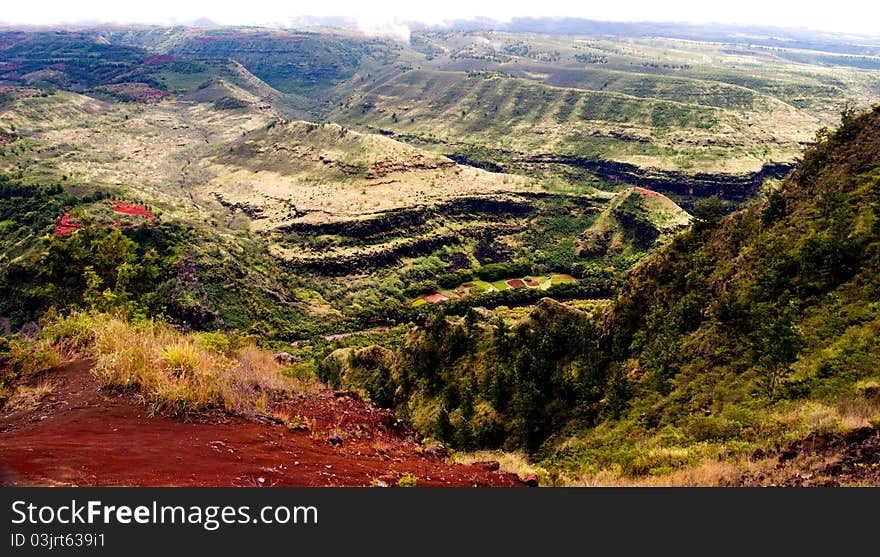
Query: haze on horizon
[845, 16]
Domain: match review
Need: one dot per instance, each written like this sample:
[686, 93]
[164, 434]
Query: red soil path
[84, 435]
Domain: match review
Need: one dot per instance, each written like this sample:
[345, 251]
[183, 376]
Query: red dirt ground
[84, 435]
[646, 192]
[65, 227]
[533, 283]
[131, 209]
[435, 298]
[516, 283]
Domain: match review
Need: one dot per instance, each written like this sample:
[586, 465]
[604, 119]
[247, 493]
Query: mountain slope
[742, 335]
[637, 220]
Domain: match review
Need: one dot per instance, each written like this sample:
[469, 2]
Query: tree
[776, 344]
[97, 268]
[707, 212]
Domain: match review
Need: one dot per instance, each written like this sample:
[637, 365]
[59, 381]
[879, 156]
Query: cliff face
[383, 239]
[734, 187]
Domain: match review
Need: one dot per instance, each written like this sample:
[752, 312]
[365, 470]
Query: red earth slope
[84, 435]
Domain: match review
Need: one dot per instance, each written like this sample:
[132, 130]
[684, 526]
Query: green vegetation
[745, 332]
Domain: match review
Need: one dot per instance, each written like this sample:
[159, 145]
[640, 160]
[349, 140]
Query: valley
[553, 245]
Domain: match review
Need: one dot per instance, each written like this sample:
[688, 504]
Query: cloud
[384, 27]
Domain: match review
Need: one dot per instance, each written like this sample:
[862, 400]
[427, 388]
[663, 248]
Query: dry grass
[708, 473]
[175, 372]
[27, 398]
[515, 462]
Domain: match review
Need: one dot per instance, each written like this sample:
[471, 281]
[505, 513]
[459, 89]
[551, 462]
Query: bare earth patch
[83, 435]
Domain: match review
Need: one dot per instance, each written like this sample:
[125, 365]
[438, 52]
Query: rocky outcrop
[390, 165]
[357, 262]
[252, 211]
[735, 187]
[484, 165]
[380, 226]
[400, 222]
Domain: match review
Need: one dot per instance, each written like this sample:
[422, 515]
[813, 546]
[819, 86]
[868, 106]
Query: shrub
[183, 359]
[73, 334]
[407, 480]
[227, 345]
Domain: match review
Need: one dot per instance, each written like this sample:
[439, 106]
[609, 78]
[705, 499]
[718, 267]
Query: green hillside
[635, 222]
[744, 334]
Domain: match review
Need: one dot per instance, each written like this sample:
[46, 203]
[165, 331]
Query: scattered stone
[531, 480]
[490, 465]
[335, 439]
[348, 394]
[437, 452]
[285, 358]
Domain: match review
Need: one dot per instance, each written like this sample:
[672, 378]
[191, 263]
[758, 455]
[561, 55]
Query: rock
[348, 394]
[834, 469]
[437, 452]
[387, 479]
[531, 480]
[285, 358]
[490, 465]
[788, 454]
[421, 320]
[335, 439]
[29, 330]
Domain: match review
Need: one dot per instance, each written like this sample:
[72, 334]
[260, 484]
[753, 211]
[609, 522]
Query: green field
[480, 287]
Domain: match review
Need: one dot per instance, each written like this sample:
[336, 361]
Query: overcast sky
[856, 16]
